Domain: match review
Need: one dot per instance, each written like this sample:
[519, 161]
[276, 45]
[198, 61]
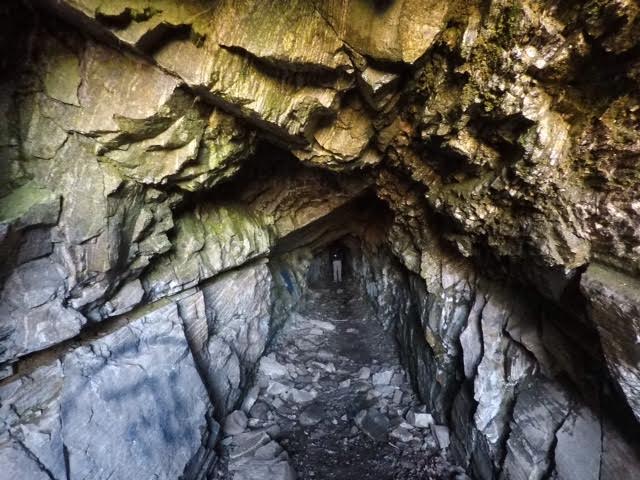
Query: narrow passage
[331, 401]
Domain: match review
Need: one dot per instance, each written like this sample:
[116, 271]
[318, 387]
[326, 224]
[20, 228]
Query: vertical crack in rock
[67, 468]
[32, 456]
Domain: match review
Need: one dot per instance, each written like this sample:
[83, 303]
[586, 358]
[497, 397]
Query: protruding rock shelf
[175, 174]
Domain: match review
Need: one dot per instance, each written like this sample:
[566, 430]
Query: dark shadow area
[320, 272]
[382, 6]
[269, 162]
[351, 392]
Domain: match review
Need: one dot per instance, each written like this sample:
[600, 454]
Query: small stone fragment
[420, 420]
[345, 383]
[323, 325]
[441, 433]
[277, 388]
[382, 378]
[250, 399]
[301, 396]
[311, 415]
[270, 367]
[235, 423]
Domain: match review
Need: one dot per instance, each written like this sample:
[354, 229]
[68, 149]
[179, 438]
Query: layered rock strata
[155, 232]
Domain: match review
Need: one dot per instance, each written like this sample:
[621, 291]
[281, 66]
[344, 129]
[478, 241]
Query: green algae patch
[30, 205]
[62, 77]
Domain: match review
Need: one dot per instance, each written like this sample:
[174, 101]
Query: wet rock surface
[332, 394]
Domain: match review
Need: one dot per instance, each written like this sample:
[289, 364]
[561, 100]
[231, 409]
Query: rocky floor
[331, 401]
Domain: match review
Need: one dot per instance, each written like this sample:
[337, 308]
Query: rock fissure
[552, 448]
[34, 457]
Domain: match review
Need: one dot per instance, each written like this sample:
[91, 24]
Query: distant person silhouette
[336, 262]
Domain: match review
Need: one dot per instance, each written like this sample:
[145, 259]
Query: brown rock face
[399, 31]
[169, 169]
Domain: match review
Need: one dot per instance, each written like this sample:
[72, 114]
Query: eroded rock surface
[173, 173]
[117, 406]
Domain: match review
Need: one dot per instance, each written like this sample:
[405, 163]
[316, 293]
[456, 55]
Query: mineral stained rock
[171, 171]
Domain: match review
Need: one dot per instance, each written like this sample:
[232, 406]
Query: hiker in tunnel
[337, 256]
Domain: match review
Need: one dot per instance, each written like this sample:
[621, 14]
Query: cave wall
[522, 396]
[140, 191]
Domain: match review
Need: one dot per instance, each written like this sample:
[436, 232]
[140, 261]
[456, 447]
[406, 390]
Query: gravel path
[331, 401]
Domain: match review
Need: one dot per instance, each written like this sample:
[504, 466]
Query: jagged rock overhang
[482, 177]
[363, 216]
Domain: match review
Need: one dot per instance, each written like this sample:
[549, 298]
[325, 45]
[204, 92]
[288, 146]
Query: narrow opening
[331, 266]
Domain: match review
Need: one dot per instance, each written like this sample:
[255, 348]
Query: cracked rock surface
[118, 406]
[174, 175]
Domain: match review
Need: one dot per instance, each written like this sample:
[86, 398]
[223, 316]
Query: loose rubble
[331, 400]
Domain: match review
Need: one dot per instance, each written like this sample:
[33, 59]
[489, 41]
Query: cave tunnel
[175, 178]
[321, 274]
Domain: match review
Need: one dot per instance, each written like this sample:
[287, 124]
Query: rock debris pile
[331, 401]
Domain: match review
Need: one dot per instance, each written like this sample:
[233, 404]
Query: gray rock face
[121, 406]
[129, 296]
[31, 444]
[486, 134]
[237, 306]
[133, 402]
[615, 309]
[619, 458]
[215, 64]
[95, 146]
[227, 322]
[33, 315]
[503, 366]
[539, 412]
[578, 453]
[208, 241]
[506, 415]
